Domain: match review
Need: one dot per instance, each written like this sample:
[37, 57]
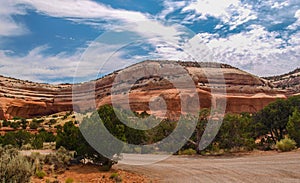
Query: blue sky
[56, 41]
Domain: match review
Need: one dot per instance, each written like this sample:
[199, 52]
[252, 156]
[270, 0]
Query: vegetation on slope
[276, 126]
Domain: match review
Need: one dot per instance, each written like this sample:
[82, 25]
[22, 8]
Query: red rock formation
[243, 91]
[289, 83]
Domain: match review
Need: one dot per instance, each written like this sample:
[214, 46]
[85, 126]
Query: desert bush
[113, 175]
[69, 180]
[189, 151]
[37, 161]
[36, 157]
[116, 177]
[26, 147]
[13, 166]
[40, 174]
[286, 144]
[60, 160]
[64, 155]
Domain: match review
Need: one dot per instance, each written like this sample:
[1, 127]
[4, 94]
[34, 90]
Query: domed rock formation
[243, 91]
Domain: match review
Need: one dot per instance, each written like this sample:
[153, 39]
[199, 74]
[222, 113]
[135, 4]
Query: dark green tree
[24, 123]
[33, 125]
[41, 137]
[70, 137]
[17, 139]
[274, 117]
[293, 126]
[6, 123]
[15, 125]
[195, 139]
[236, 131]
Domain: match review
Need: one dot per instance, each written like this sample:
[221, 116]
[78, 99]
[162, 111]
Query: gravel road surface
[255, 167]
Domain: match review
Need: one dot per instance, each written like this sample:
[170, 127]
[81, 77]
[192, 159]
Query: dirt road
[257, 167]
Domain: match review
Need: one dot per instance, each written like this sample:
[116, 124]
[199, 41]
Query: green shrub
[16, 118]
[14, 167]
[293, 126]
[40, 174]
[69, 180]
[113, 175]
[33, 125]
[116, 177]
[15, 125]
[286, 144]
[189, 151]
[6, 123]
[64, 155]
[52, 121]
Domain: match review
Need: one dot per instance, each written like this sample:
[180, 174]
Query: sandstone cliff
[243, 91]
[289, 83]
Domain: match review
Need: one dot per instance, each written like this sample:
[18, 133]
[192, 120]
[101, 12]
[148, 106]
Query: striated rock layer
[243, 91]
[289, 82]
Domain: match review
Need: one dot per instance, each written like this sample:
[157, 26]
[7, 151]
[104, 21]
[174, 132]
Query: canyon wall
[243, 91]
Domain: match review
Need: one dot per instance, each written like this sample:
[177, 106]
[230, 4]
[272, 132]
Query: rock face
[288, 83]
[28, 99]
[149, 85]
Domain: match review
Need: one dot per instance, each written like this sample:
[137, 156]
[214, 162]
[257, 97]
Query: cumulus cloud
[231, 12]
[8, 26]
[272, 12]
[257, 50]
[296, 24]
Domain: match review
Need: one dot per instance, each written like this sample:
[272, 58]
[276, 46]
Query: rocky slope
[289, 83]
[243, 91]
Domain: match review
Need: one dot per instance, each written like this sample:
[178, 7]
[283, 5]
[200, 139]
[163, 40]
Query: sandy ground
[254, 167]
[91, 174]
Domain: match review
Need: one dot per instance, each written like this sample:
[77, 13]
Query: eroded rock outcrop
[289, 83]
[243, 91]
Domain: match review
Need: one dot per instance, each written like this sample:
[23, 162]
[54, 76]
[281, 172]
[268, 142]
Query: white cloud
[85, 12]
[39, 67]
[279, 5]
[35, 66]
[272, 12]
[232, 12]
[169, 7]
[257, 51]
[9, 27]
[89, 12]
[82, 9]
[296, 24]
